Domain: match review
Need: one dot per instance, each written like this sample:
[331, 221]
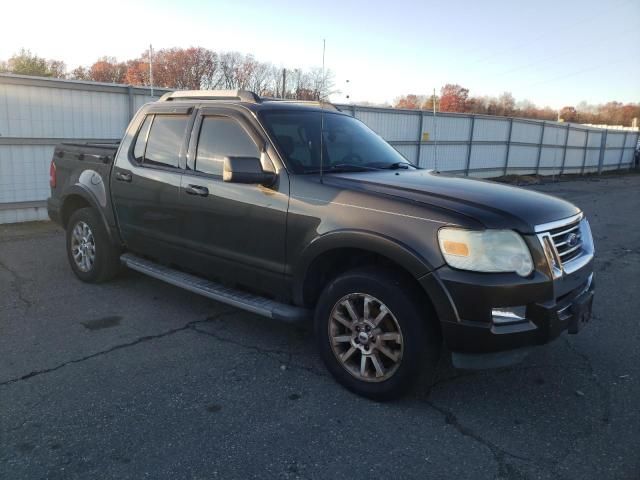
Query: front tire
[92, 256]
[374, 334]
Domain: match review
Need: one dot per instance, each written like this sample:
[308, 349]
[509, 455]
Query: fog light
[505, 315]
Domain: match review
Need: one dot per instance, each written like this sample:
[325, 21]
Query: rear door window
[222, 137]
[164, 143]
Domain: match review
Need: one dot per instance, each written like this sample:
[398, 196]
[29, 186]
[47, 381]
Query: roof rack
[238, 95]
[241, 95]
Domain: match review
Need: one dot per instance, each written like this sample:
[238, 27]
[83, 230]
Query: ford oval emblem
[573, 239]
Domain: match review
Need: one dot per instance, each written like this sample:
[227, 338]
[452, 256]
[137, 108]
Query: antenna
[435, 133]
[151, 68]
[324, 45]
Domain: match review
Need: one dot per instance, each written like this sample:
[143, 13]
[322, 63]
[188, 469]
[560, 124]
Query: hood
[494, 204]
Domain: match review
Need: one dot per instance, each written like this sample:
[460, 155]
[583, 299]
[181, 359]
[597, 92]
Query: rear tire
[375, 334]
[92, 256]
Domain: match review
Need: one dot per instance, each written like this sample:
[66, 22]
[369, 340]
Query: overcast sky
[552, 52]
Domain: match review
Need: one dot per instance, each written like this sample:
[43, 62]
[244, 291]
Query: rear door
[146, 187]
[236, 232]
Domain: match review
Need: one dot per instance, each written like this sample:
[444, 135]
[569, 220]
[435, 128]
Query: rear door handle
[124, 176]
[197, 190]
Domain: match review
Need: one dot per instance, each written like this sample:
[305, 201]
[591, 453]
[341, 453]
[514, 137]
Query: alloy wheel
[83, 247]
[365, 337]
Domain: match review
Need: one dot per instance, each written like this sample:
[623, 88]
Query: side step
[245, 301]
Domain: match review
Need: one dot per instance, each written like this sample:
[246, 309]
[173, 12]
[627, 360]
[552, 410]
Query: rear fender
[91, 188]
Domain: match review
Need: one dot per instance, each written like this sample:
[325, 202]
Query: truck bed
[100, 152]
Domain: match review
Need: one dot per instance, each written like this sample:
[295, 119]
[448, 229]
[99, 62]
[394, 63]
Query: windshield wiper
[398, 165]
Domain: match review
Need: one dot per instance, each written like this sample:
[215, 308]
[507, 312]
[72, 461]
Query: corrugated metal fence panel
[447, 128]
[554, 135]
[523, 159]
[632, 140]
[526, 132]
[392, 126]
[595, 138]
[33, 111]
[24, 172]
[494, 130]
[488, 158]
[35, 115]
[573, 160]
[551, 160]
[630, 144]
[410, 152]
[140, 100]
[576, 138]
[26, 214]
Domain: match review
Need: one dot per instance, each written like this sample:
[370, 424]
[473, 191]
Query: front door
[235, 232]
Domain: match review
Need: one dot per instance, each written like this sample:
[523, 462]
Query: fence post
[544, 124]
[473, 123]
[584, 155]
[624, 143]
[353, 111]
[506, 160]
[130, 97]
[603, 147]
[420, 138]
[564, 152]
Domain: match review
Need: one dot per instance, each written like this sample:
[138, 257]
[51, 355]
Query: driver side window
[222, 137]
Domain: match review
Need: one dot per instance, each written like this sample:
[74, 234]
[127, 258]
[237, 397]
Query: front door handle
[124, 176]
[197, 190]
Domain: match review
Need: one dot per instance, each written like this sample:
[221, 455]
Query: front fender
[410, 260]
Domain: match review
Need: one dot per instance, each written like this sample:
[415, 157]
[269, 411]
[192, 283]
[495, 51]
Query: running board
[246, 301]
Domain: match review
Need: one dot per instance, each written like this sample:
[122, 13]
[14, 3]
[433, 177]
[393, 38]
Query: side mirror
[246, 170]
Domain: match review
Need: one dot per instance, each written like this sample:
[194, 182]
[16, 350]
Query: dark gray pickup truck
[294, 210]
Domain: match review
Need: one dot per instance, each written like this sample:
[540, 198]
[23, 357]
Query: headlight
[485, 250]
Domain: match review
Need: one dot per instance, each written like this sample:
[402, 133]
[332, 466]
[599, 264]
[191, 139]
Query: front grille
[567, 241]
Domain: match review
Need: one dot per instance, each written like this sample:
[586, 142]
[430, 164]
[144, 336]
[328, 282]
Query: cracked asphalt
[139, 379]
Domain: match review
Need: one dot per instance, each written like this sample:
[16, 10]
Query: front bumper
[464, 302]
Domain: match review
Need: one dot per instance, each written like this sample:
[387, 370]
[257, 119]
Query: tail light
[52, 175]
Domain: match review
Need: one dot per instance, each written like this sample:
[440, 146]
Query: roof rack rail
[241, 95]
[319, 103]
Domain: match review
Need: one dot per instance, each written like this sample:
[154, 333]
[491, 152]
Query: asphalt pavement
[139, 379]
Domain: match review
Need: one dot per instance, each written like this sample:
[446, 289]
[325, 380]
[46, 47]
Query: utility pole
[284, 83]
[151, 68]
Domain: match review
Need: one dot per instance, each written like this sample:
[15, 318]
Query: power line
[562, 77]
[559, 54]
[553, 30]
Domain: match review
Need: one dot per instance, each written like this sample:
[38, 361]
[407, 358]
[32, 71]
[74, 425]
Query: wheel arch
[77, 197]
[334, 253]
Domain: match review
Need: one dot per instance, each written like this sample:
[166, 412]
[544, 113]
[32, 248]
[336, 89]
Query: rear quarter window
[160, 140]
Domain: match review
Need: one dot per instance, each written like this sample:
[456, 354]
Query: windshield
[348, 144]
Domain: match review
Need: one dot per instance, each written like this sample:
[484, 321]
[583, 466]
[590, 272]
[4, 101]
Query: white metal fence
[487, 146]
[37, 113]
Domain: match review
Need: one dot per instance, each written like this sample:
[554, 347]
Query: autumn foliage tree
[453, 98]
[109, 70]
[410, 102]
[569, 114]
[201, 68]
